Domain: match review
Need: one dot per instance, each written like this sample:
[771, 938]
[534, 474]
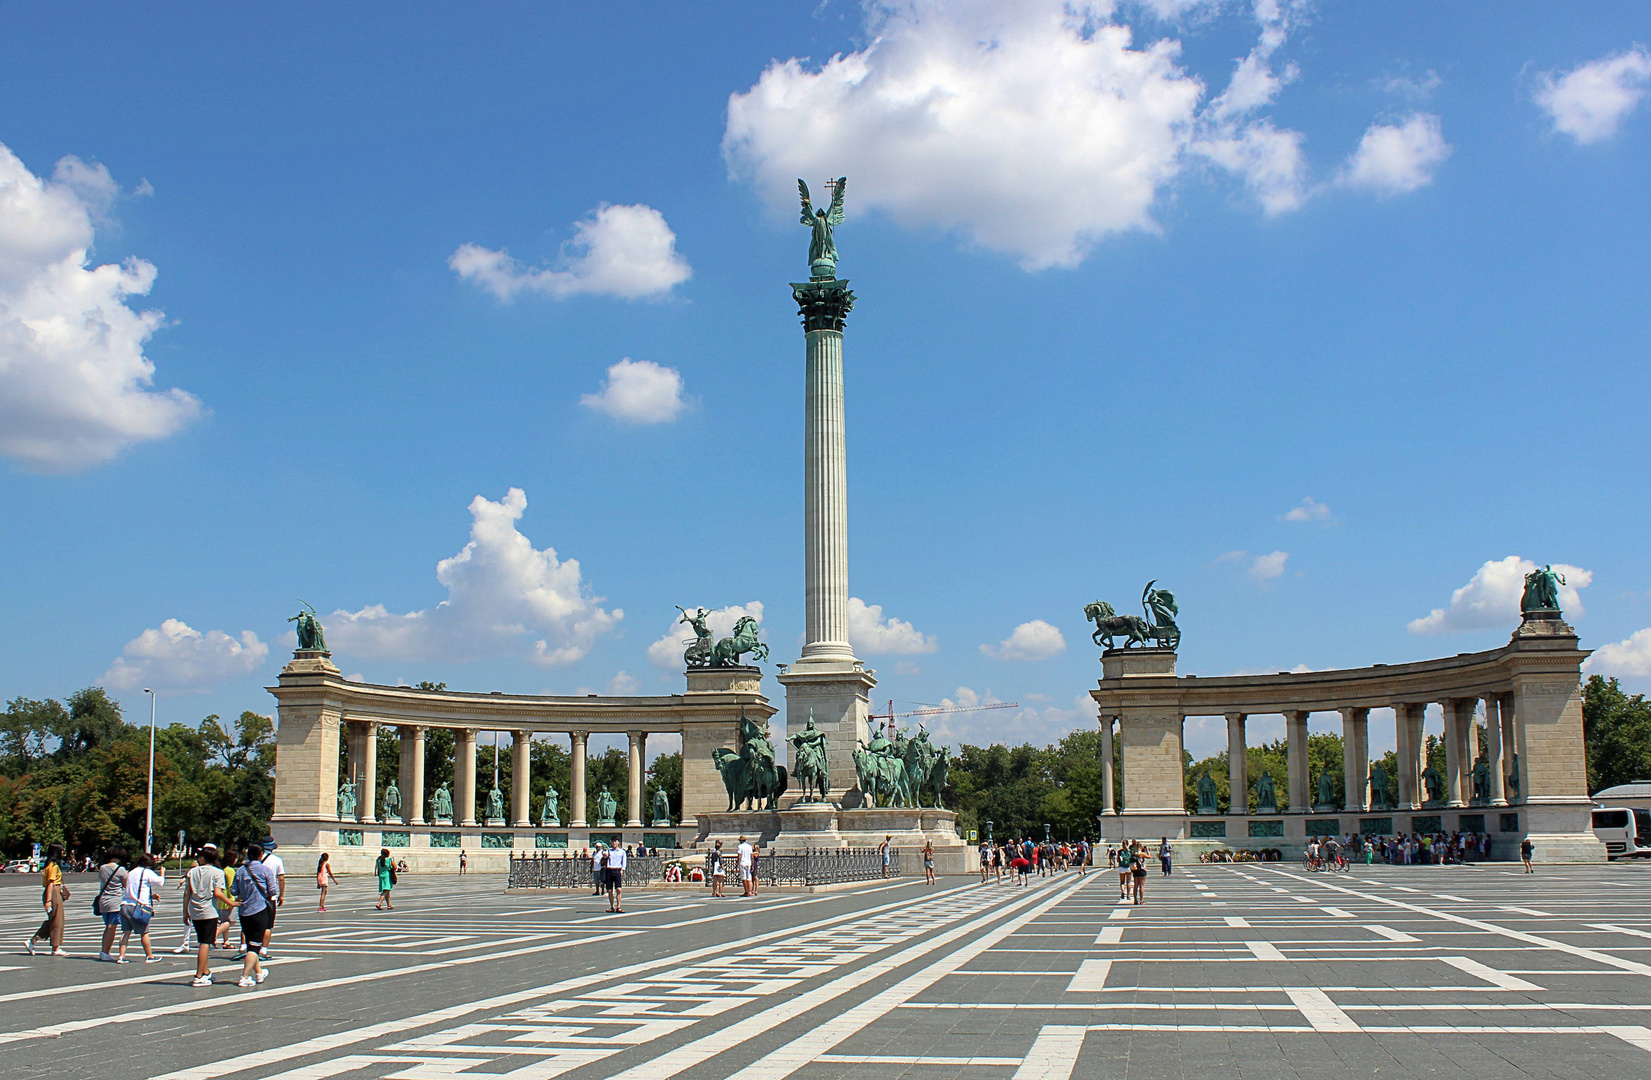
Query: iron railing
[821, 866]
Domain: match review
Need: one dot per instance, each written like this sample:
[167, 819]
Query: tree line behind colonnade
[75, 772]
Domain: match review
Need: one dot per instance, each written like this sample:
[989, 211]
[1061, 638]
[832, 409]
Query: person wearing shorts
[137, 907]
[719, 869]
[1125, 861]
[111, 885]
[616, 879]
[746, 859]
[203, 891]
[1138, 871]
[254, 890]
[1526, 850]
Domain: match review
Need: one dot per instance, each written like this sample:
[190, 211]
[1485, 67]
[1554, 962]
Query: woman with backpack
[137, 907]
[52, 894]
[111, 884]
[386, 880]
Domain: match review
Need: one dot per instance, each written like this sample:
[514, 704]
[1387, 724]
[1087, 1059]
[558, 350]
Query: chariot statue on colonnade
[705, 651]
[1541, 590]
[1158, 627]
[311, 638]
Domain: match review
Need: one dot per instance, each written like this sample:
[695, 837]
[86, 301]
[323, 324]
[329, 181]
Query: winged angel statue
[822, 250]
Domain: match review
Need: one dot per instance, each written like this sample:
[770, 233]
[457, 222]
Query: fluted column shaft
[521, 772]
[1238, 766]
[464, 777]
[1493, 749]
[1355, 758]
[825, 501]
[576, 780]
[1295, 734]
[1453, 752]
[1109, 798]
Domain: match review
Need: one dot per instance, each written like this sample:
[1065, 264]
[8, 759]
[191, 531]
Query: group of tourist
[745, 865]
[1021, 859]
[1412, 849]
[219, 888]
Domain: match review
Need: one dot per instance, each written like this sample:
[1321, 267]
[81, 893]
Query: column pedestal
[838, 695]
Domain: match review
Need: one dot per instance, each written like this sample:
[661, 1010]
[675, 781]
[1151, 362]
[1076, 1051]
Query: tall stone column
[1109, 797]
[1493, 749]
[1453, 752]
[1295, 733]
[827, 681]
[413, 797]
[368, 807]
[1404, 756]
[576, 780]
[638, 763]
[1355, 758]
[1466, 746]
[464, 777]
[1510, 748]
[1238, 766]
[521, 772]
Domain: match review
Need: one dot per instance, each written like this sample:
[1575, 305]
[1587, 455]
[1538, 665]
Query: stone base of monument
[495, 823]
[816, 825]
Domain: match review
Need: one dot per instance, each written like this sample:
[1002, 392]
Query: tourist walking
[745, 857]
[111, 886]
[386, 869]
[598, 879]
[617, 858]
[719, 869]
[277, 867]
[886, 850]
[1165, 852]
[137, 907]
[203, 896]
[1525, 853]
[928, 862]
[52, 895]
[1125, 860]
[1138, 871]
[463, 862]
[226, 862]
[255, 887]
[324, 878]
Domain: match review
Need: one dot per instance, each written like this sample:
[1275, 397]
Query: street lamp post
[149, 816]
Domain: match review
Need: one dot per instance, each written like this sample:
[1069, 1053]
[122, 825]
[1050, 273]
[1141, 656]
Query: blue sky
[1318, 314]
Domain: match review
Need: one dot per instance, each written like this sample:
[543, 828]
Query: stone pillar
[638, 763]
[824, 306]
[1510, 746]
[367, 810]
[1238, 766]
[1407, 761]
[412, 800]
[1109, 798]
[521, 771]
[1151, 736]
[1466, 746]
[1295, 733]
[576, 780]
[1453, 752]
[1493, 749]
[464, 777]
[1355, 759]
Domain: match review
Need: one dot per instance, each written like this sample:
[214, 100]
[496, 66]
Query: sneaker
[106, 957]
[60, 952]
[262, 975]
[179, 950]
[240, 954]
[152, 959]
[30, 946]
[201, 980]
[122, 960]
[263, 954]
[246, 980]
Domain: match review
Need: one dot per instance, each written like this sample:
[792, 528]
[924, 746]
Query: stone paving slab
[1239, 971]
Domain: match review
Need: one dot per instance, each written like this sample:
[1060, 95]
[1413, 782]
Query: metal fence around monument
[822, 866]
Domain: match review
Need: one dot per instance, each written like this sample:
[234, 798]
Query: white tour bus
[1625, 831]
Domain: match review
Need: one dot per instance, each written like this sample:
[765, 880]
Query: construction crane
[935, 710]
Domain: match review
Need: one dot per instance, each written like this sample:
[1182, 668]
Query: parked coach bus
[1625, 831]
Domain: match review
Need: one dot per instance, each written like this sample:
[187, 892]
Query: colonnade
[1462, 751]
[361, 748]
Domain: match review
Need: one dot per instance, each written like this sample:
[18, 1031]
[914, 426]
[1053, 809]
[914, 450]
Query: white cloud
[666, 652]
[1031, 129]
[1038, 725]
[1265, 569]
[623, 251]
[504, 598]
[1491, 599]
[1631, 656]
[1035, 640]
[639, 392]
[1412, 87]
[1589, 102]
[1393, 159]
[74, 382]
[1310, 510]
[622, 684]
[180, 659]
[870, 633]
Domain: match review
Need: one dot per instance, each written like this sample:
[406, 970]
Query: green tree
[1617, 731]
[666, 774]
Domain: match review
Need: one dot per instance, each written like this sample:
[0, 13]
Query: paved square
[1226, 971]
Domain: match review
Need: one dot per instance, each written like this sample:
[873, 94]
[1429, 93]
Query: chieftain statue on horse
[751, 775]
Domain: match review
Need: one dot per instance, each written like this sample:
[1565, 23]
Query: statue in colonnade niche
[1327, 788]
[1266, 796]
[1481, 781]
[1378, 788]
[495, 805]
[1206, 794]
[1513, 776]
[1435, 785]
[347, 800]
[442, 805]
[606, 807]
[550, 813]
[661, 816]
[392, 801]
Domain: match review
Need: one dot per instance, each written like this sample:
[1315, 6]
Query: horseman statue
[926, 769]
[808, 760]
[1158, 627]
[728, 651]
[750, 774]
[881, 768]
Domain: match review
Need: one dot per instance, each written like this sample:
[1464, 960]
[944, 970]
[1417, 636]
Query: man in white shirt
[616, 879]
[598, 874]
[747, 881]
[279, 868]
